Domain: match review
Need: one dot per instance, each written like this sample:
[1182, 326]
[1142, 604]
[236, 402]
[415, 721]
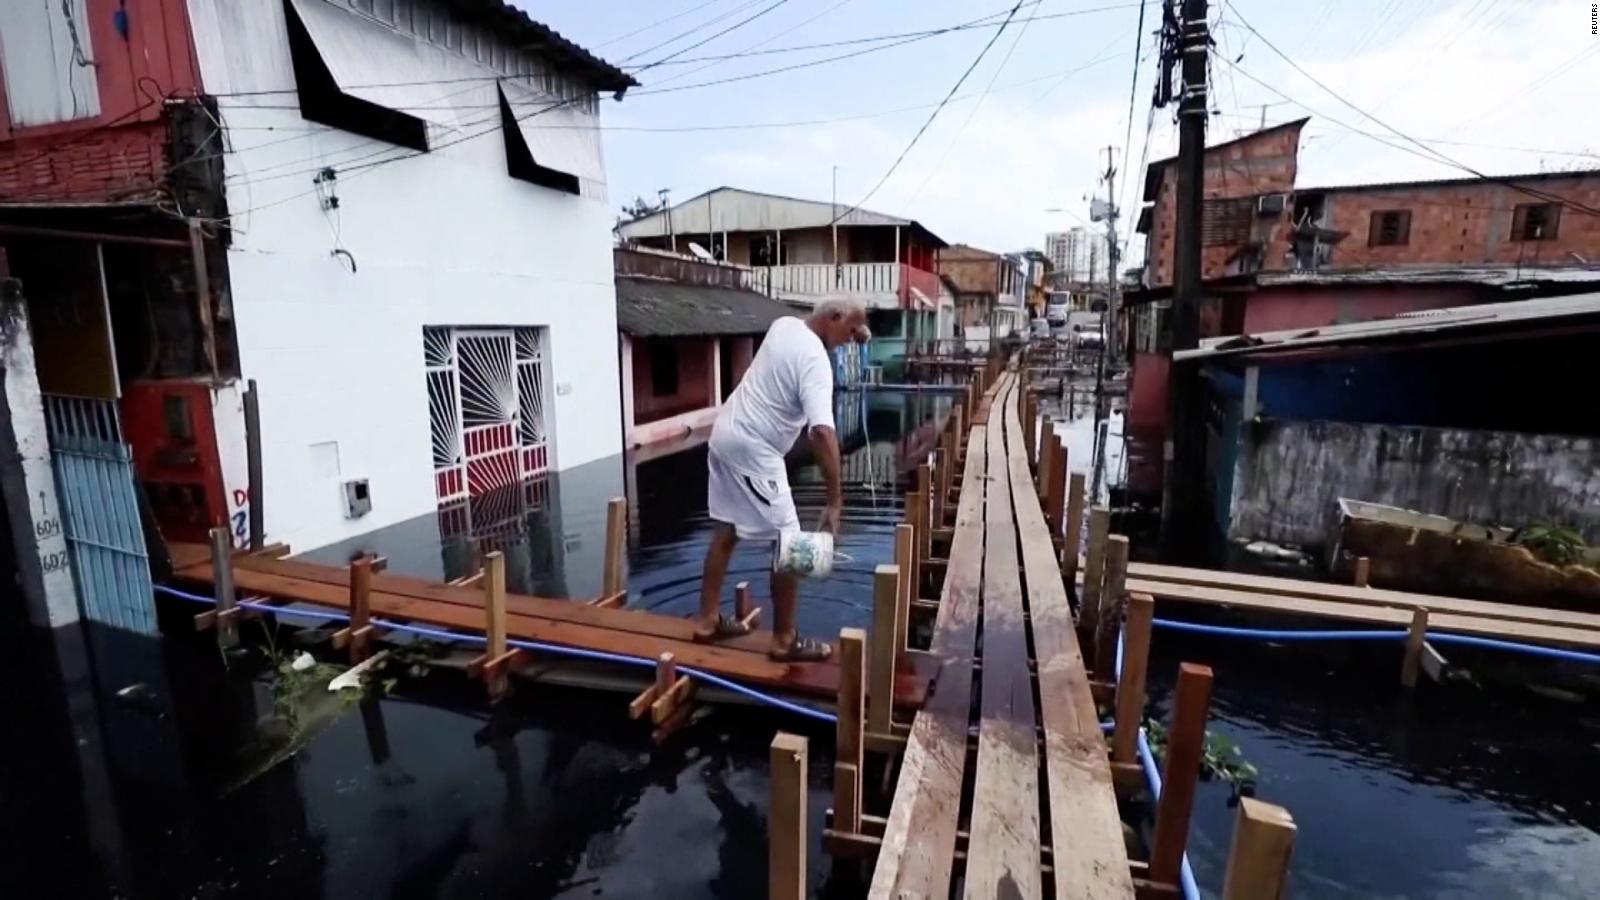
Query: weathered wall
[1290, 475]
[1276, 309]
[694, 378]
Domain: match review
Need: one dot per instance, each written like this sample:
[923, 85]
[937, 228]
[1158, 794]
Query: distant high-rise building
[1073, 253]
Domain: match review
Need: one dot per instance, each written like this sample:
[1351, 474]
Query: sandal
[726, 628]
[805, 650]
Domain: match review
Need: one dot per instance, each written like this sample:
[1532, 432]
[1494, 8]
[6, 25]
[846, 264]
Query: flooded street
[192, 784]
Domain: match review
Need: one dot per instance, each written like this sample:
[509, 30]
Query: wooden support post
[1112, 599]
[1030, 436]
[494, 611]
[937, 495]
[252, 456]
[904, 554]
[1130, 681]
[1186, 738]
[786, 819]
[1363, 572]
[1094, 573]
[885, 629]
[1047, 449]
[1414, 641]
[222, 587]
[847, 755]
[358, 634]
[1055, 488]
[612, 581]
[1072, 528]
[1258, 860]
[666, 673]
[924, 542]
[744, 608]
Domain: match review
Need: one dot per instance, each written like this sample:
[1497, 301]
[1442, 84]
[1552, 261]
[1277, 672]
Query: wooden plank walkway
[569, 623]
[1001, 542]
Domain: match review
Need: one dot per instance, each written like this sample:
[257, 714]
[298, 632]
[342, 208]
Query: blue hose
[1278, 635]
[1467, 640]
[1152, 775]
[539, 646]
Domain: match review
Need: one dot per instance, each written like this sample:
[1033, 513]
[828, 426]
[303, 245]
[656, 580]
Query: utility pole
[838, 274]
[1108, 324]
[666, 208]
[1183, 469]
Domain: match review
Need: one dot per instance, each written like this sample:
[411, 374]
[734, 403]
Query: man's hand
[830, 519]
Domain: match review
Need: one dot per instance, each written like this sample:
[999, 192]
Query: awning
[390, 69]
[560, 135]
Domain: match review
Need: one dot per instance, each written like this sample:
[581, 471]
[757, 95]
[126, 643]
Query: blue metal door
[100, 512]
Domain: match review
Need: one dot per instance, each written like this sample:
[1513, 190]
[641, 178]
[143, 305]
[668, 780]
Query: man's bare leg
[723, 540]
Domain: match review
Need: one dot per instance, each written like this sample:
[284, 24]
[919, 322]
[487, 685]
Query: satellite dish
[701, 252]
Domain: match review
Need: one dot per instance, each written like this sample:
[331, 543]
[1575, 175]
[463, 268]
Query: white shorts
[759, 507]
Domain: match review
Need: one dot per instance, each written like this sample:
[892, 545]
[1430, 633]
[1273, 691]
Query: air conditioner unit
[1270, 204]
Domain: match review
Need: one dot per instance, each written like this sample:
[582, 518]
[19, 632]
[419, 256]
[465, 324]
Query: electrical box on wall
[357, 498]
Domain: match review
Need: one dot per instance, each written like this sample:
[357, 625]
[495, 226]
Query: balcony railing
[878, 285]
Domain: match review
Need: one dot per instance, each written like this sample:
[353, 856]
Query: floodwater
[193, 784]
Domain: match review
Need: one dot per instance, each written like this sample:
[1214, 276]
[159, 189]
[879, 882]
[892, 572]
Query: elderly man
[789, 388]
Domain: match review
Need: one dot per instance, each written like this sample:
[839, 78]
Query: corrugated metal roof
[735, 209]
[1410, 326]
[1494, 276]
[653, 307]
[541, 38]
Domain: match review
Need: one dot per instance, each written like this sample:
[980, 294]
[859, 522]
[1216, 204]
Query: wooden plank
[1186, 739]
[1362, 573]
[1130, 681]
[1316, 590]
[1258, 860]
[1094, 573]
[848, 743]
[612, 580]
[1055, 486]
[1003, 852]
[1412, 662]
[1113, 597]
[886, 597]
[786, 819]
[1072, 529]
[1087, 848]
[224, 588]
[494, 605]
[904, 554]
[919, 840]
[1371, 615]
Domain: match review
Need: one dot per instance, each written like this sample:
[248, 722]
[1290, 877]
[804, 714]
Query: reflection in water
[1457, 793]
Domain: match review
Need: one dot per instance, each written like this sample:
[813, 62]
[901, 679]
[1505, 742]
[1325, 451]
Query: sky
[1500, 86]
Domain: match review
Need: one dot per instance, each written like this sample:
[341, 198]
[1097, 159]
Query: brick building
[989, 285]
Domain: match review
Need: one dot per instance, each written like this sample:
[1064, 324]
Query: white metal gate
[100, 512]
[486, 408]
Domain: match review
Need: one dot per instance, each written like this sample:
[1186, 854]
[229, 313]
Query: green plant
[1559, 545]
[1222, 758]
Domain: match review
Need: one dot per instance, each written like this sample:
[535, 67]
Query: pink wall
[1146, 422]
[1278, 309]
[694, 379]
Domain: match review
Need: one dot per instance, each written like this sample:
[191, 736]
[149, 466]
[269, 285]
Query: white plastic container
[805, 553]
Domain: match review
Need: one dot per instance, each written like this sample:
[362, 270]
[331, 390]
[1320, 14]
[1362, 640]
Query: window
[663, 368]
[1226, 220]
[322, 100]
[1389, 228]
[1535, 221]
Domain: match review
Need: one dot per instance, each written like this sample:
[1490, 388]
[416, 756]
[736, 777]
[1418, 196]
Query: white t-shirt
[788, 387]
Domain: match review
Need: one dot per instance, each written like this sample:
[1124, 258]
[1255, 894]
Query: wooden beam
[1186, 739]
[612, 580]
[924, 542]
[222, 588]
[904, 554]
[848, 739]
[669, 701]
[787, 820]
[1130, 682]
[1258, 860]
[1055, 488]
[358, 634]
[1412, 663]
[885, 630]
[1434, 665]
[1113, 597]
[494, 609]
[745, 608]
[1363, 572]
[1047, 449]
[1072, 528]
[1094, 573]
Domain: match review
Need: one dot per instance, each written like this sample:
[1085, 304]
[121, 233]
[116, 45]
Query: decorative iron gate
[100, 512]
[485, 408]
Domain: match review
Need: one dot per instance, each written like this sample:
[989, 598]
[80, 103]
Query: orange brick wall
[1264, 163]
[111, 164]
[1463, 224]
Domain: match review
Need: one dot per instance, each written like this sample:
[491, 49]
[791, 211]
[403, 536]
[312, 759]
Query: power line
[1403, 136]
[683, 34]
[934, 115]
[701, 43]
[751, 49]
[1133, 90]
[643, 28]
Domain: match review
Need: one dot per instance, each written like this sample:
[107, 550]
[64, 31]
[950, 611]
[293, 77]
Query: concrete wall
[1290, 475]
[442, 238]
